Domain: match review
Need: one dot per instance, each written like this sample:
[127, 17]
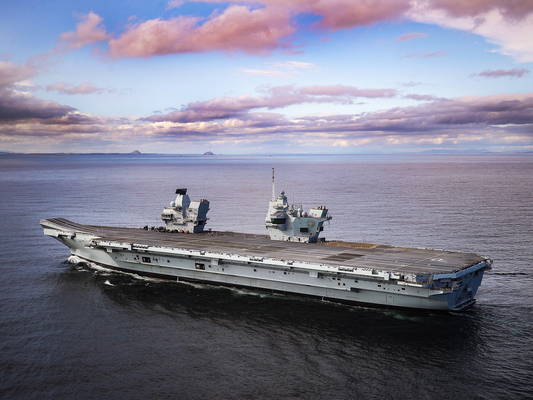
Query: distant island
[209, 153]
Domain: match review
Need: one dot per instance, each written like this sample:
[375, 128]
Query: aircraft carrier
[291, 258]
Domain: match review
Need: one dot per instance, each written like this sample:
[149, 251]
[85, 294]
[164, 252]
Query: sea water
[72, 331]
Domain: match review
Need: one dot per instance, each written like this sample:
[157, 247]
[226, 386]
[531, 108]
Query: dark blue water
[68, 331]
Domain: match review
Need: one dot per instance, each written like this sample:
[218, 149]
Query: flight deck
[347, 254]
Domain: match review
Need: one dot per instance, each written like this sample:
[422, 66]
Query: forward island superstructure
[290, 259]
[185, 216]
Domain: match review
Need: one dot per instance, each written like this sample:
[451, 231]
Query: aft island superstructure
[290, 259]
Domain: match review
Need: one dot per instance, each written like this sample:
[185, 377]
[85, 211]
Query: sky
[266, 76]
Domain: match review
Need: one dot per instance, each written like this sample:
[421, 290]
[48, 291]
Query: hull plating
[264, 276]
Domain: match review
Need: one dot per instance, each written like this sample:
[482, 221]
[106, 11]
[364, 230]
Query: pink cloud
[506, 24]
[238, 28]
[454, 115]
[11, 74]
[343, 14]
[513, 9]
[84, 88]
[409, 36]
[439, 53]
[347, 14]
[502, 120]
[515, 72]
[89, 30]
[273, 97]
[23, 114]
[422, 97]
[17, 106]
[351, 91]
[175, 4]
[260, 30]
[484, 110]
[281, 69]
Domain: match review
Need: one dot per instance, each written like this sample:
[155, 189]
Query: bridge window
[304, 229]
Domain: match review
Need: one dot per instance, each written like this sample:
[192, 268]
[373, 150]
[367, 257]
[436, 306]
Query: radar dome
[304, 214]
[172, 204]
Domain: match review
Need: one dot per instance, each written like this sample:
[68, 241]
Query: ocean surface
[75, 332]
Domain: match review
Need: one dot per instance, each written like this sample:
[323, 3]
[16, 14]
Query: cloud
[293, 65]
[271, 98]
[238, 28]
[84, 88]
[89, 30]
[51, 132]
[502, 121]
[506, 24]
[511, 9]
[11, 74]
[346, 14]
[439, 53]
[411, 83]
[499, 119]
[266, 72]
[494, 122]
[281, 69]
[24, 115]
[451, 115]
[410, 36]
[477, 110]
[73, 119]
[260, 27]
[16, 106]
[422, 97]
[174, 4]
[515, 72]
[348, 91]
[335, 14]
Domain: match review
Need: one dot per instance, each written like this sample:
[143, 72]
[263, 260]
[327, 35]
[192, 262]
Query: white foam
[101, 269]
[79, 260]
[108, 271]
[74, 260]
[196, 285]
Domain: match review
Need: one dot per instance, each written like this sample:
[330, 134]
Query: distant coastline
[133, 153]
[137, 153]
